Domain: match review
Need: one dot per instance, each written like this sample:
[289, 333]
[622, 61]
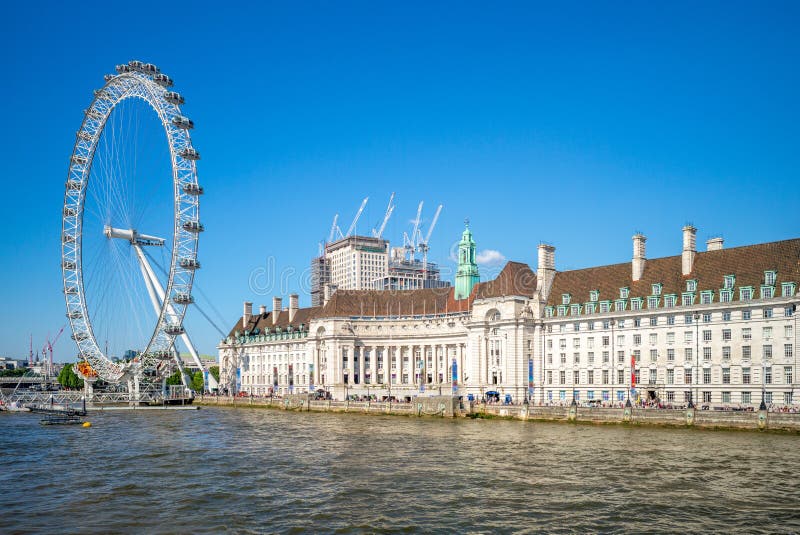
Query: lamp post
[696, 374]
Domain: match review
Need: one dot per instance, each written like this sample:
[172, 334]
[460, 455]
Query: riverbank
[447, 407]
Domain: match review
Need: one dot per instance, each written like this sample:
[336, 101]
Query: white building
[716, 327]
[365, 263]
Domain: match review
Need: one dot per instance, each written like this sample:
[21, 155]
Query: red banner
[633, 371]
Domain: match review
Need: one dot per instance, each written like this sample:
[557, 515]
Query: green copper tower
[467, 274]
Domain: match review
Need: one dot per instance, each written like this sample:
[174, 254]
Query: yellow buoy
[87, 424]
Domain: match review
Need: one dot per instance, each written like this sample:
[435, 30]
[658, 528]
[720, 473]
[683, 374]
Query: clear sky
[577, 124]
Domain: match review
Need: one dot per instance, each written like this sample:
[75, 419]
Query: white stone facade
[722, 352]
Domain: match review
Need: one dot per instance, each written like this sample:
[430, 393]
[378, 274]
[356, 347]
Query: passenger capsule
[69, 211]
[193, 189]
[108, 77]
[189, 153]
[189, 263]
[163, 80]
[73, 185]
[84, 135]
[94, 114]
[71, 290]
[174, 330]
[149, 68]
[74, 314]
[68, 264]
[193, 226]
[183, 122]
[173, 98]
[183, 299]
[68, 238]
[122, 69]
[136, 66]
[79, 336]
[78, 159]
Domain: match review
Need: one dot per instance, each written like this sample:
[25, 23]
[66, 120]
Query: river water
[255, 470]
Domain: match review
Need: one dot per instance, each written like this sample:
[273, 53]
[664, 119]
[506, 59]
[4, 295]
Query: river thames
[254, 471]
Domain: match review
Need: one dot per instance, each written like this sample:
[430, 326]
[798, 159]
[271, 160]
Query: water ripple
[266, 471]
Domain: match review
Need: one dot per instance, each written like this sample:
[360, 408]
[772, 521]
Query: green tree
[67, 378]
[214, 371]
[16, 372]
[175, 378]
[197, 381]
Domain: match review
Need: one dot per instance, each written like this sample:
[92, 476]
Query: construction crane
[389, 209]
[355, 219]
[422, 244]
[30, 355]
[410, 242]
[48, 348]
[335, 230]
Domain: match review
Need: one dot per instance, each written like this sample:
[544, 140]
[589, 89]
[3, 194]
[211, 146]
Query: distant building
[7, 363]
[365, 263]
[405, 274]
[717, 328]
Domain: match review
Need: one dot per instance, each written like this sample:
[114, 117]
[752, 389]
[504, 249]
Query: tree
[197, 382]
[67, 378]
[175, 378]
[214, 371]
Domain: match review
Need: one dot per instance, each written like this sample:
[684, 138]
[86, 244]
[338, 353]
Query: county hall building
[716, 327]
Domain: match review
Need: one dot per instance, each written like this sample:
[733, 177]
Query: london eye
[130, 227]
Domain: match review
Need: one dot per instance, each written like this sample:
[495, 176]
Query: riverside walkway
[447, 407]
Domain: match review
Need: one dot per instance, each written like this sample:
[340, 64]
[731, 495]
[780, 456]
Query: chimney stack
[714, 244]
[689, 249]
[327, 292]
[292, 306]
[247, 314]
[276, 309]
[639, 258]
[546, 269]
[262, 309]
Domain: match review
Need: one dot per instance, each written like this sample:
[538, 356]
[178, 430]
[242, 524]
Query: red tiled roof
[516, 278]
[747, 263]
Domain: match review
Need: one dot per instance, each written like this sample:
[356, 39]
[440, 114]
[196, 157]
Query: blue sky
[577, 124]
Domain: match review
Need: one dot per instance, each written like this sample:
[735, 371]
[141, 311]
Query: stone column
[373, 365]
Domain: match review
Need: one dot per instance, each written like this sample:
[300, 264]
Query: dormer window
[767, 292]
[691, 285]
[652, 301]
[729, 281]
[575, 309]
[636, 303]
[787, 289]
[562, 310]
[746, 293]
[605, 306]
[769, 278]
[706, 297]
[669, 301]
[656, 288]
[548, 312]
[726, 296]
[594, 295]
[565, 299]
[619, 305]
[589, 308]
[687, 299]
[624, 292]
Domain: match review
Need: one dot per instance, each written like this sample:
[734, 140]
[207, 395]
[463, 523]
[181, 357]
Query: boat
[61, 419]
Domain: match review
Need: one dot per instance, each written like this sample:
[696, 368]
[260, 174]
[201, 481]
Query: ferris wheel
[99, 182]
